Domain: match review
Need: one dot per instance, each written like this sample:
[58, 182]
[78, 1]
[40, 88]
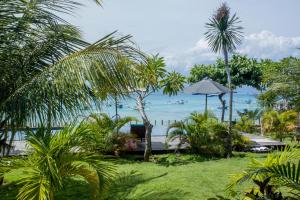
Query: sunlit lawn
[172, 177]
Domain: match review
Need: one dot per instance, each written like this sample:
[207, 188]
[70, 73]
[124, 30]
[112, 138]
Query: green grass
[167, 177]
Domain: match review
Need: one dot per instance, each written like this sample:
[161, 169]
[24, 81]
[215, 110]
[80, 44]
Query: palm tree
[48, 73]
[53, 157]
[224, 35]
[106, 131]
[278, 170]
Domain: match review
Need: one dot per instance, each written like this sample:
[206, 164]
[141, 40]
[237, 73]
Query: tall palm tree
[223, 36]
[48, 72]
[53, 157]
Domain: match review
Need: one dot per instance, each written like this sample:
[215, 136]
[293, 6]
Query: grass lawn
[168, 177]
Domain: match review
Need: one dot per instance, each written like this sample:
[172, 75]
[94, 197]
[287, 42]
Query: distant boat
[180, 101]
[248, 101]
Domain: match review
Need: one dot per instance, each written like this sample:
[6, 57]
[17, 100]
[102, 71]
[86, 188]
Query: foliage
[47, 70]
[282, 80]
[53, 157]
[244, 71]
[278, 170]
[107, 136]
[279, 123]
[223, 31]
[247, 119]
[245, 124]
[251, 114]
[267, 99]
[203, 133]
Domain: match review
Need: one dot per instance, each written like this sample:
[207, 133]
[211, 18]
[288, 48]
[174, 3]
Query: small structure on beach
[207, 87]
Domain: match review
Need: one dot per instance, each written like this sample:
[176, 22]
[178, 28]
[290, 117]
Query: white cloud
[258, 45]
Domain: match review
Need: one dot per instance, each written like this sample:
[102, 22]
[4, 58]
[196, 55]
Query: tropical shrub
[279, 124]
[53, 157]
[107, 136]
[279, 170]
[245, 124]
[204, 134]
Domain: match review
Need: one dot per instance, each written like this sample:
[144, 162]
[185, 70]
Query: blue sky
[175, 28]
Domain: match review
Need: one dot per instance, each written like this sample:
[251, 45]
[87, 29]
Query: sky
[175, 28]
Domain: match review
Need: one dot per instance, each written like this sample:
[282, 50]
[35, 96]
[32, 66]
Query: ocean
[162, 109]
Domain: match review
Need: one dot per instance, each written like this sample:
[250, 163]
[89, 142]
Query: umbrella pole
[205, 103]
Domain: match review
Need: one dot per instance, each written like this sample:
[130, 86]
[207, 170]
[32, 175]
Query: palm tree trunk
[148, 125]
[223, 106]
[229, 136]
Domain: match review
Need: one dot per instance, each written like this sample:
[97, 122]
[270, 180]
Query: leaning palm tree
[223, 36]
[53, 157]
[48, 72]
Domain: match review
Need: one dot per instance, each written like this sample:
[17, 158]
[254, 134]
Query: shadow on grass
[9, 191]
[125, 188]
[218, 197]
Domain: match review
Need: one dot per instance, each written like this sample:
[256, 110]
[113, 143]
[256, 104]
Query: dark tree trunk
[148, 146]
[223, 102]
[229, 135]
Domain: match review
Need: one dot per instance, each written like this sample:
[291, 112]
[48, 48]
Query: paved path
[159, 144]
[263, 141]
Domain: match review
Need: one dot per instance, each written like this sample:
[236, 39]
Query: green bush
[204, 134]
[107, 137]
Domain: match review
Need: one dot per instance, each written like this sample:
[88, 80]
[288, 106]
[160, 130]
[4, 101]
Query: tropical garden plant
[280, 170]
[53, 157]
[108, 137]
[223, 35]
[279, 124]
[149, 77]
[247, 120]
[203, 133]
[48, 72]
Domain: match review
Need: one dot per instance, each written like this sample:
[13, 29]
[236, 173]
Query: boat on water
[180, 101]
[248, 101]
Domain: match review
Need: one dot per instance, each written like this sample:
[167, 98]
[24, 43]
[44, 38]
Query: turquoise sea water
[160, 107]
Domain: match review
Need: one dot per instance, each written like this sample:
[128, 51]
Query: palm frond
[223, 30]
